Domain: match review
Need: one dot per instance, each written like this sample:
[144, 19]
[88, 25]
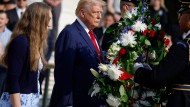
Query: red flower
[122, 51]
[145, 32]
[166, 42]
[152, 33]
[125, 75]
[115, 60]
[162, 34]
[153, 21]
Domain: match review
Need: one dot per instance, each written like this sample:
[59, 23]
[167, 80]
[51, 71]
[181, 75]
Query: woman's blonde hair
[162, 4]
[33, 24]
[85, 4]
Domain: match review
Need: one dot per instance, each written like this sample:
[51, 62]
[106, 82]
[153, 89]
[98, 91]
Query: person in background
[175, 33]
[5, 35]
[52, 34]
[117, 17]
[173, 71]
[24, 58]
[7, 4]
[32, 1]
[109, 38]
[76, 52]
[113, 6]
[172, 15]
[107, 21]
[15, 14]
[158, 7]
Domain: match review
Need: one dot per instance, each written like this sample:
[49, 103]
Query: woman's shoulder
[20, 41]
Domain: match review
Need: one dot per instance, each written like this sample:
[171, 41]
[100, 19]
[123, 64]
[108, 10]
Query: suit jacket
[75, 54]
[20, 79]
[110, 37]
[13, 18]
[99, 33]
[174, 69]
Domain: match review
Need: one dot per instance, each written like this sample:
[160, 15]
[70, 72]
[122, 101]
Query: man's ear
[82, 13]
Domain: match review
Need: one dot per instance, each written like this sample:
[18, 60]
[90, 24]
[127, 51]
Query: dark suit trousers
[53, 32]
[2, 78]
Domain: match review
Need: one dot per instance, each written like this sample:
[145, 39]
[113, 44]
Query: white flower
[103, 67]
[152, 55]
[114, 48]
[113, 101]
[135, 55]
[139, 26]
[96, 90]
[158, 25]
[120, 24]
[128, 39]
[129, 14]
[113, 72]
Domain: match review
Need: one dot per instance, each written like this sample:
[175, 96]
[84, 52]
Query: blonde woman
[24, 57]
[158, 7]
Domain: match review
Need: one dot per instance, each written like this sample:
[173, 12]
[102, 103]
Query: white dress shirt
[86, 29]
[18, 10]
[186, 34]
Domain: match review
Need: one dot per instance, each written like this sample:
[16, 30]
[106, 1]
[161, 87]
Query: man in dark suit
[15, 14]
[107, 21]
[174, 70]
[109, 38]
[76, 51]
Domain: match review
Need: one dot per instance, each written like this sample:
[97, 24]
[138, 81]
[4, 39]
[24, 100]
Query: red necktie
[94, 42]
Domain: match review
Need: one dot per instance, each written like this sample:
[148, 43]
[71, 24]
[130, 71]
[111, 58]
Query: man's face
[92, 16]
[22, 3]
[184, 20]
[108, 20]
[3, 19]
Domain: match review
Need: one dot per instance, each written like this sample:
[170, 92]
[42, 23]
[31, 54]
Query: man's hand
[147, 66]
[143, 65]
[137, 66]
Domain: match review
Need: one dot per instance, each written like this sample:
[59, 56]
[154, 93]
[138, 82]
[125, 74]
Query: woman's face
[50, 25]
[157, 2]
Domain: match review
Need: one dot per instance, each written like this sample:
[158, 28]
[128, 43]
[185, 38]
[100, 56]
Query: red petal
[125, 75]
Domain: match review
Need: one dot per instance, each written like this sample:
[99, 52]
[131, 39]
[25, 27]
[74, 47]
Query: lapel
[15, 15]
[85, 36]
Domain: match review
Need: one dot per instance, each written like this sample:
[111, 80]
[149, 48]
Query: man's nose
[99, 15]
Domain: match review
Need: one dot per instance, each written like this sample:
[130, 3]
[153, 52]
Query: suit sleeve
[171, 67]
[64, 65]
[16, 56]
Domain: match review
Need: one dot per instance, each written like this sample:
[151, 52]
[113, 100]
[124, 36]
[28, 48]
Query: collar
[186, 34]
[4, 29]
[104, 29]
[83, 25]
[20, 10]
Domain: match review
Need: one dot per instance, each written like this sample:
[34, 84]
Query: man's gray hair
[85, 4]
